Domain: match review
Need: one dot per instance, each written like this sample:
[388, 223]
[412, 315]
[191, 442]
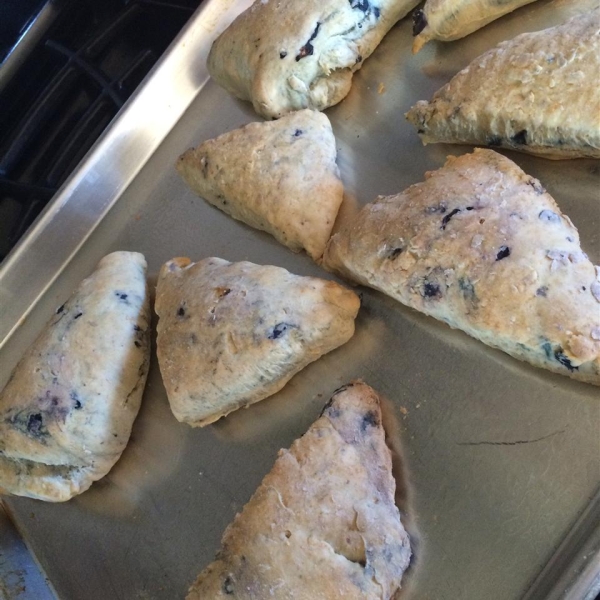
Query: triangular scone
[447, 20]
[482, 246]
[285, 55]
[67, 411]
[537, 93]
[323, 523]
[280, 177]
[231, 334]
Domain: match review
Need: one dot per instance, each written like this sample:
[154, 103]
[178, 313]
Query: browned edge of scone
[333, 496]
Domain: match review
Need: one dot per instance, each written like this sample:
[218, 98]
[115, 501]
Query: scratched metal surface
[20, 577]
[504, 459]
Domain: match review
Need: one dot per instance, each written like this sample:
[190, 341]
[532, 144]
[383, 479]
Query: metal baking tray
[504, 459]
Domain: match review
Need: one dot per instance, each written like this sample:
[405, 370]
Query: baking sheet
[504, 459]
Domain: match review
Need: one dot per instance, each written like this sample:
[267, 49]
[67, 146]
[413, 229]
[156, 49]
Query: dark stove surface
[14, 16]
[67, 69]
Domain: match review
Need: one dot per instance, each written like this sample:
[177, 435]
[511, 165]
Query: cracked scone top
[323, 524]
[483, 247]
[67, 411]
[284, 55]
[231, 334]
[537, 93]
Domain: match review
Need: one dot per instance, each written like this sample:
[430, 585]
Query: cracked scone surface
[284, 55]
[323, 524]
[483, 247]
[231, 334]
[67, 411]
[280, 177]
[447, 20]
[537, 93]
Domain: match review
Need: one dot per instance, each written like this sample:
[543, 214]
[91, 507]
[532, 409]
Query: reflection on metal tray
[498, 520]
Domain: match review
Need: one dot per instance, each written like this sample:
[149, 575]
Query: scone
[323, 523]
[68, 408]
[537, 93]
[231, 334]
[483, 247]
[284, 55]
[447, 20]
[280, 177]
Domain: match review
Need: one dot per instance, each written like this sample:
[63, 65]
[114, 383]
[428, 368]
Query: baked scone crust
[537, 93]
[323, 523]
[284, 55]
[483, 247]
[447, 20]
[280, 177]
[231, 334]
[67, 411]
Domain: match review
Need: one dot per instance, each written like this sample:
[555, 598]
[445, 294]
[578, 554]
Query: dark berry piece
[308, 48]
[362, 5]
[279, 330]
[536, 185]
[431, 290]
[549, 216]
[228, 586]
[503, 253]
[419, 22]
[369, 420]
[447, 218]
[35, 423]
[547, 348]
[520, 137]
[468, 290]
[564, 360]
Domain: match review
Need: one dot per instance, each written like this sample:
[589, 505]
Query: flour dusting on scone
[280, 177]
[67, 411]
[323, 523]
[284, 55]
[447, 20]
[537, 93]
[483, 247]
[231, 334]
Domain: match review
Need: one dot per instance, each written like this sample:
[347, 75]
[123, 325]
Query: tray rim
[43, 252]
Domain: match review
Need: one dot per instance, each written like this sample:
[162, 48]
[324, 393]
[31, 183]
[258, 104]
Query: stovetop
[67, 68]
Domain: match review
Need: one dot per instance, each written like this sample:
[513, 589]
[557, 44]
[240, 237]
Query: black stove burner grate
[69, 85]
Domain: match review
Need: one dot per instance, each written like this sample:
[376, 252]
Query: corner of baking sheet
[111, 164]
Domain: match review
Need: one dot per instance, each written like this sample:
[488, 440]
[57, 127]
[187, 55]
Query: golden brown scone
[323, 523]
[280, 177]
[447, 20]
[231, 334]
[284, 55]
[483, 247]
[67, 411]
[537, 93]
